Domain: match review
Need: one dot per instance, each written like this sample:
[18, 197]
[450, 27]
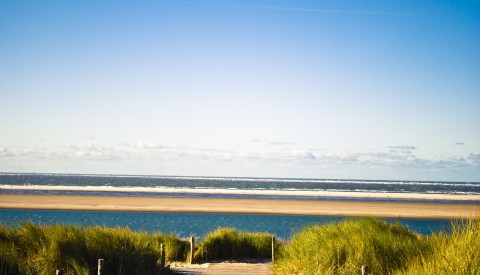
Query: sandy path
[225, 268]
[254, 206]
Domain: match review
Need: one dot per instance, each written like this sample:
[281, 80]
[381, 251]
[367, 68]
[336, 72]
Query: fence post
[364, 270]
[163, 256]
[273, 249]
[100, 266]
[192, 248]
[59, 272]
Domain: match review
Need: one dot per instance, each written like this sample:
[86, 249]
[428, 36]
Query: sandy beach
[248, 206]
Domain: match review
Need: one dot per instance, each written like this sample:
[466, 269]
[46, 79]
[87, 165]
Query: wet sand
[243, 206]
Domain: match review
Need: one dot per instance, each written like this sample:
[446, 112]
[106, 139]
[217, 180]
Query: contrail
[310, 10]
[321, 10]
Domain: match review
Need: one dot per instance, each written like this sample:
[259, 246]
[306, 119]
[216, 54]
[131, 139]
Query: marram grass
[386, 248]
[342, 248]
[228, 243]
[456, 253]
[33, 249]
[336, 248]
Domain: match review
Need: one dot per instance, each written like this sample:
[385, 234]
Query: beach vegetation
[344, 247]
[34, 249]
[455, 253]
[385, 248]
[334, 248]
[229, 244]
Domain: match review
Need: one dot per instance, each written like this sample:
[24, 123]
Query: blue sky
[322, 89]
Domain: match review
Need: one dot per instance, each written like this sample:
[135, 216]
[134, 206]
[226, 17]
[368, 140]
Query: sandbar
[242, 206]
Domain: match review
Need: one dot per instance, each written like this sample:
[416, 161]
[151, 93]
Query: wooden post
[59, 272]
[364, 270]
[100, 266]
[163, 256]
[273, 249]
[192, 248]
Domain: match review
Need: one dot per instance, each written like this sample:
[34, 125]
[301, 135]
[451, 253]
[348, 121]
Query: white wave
[269, 180]
[309, 193]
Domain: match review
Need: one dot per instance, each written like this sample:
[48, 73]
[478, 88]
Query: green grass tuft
[33, 249]
[342, 248]
[229, 244]
[456, 253]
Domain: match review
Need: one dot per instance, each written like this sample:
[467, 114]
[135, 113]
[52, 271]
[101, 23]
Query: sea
[198, 225]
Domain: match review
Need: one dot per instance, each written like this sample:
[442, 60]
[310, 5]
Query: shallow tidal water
[194, 224]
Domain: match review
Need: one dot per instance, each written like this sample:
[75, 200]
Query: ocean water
[185, 224]
[138, 184]
[193, 224]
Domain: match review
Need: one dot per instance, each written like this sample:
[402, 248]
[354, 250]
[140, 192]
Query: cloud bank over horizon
[280, 160]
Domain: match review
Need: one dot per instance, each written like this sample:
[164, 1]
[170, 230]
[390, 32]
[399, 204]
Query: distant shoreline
[253, 192]
[242, 206]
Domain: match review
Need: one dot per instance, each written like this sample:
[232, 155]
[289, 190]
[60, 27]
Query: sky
[299, 89]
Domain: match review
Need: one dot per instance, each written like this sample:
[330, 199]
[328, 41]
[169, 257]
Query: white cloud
[89, 138]
[149, 145]
[396, 155]
[4, 153]
[92, 152]
[191, 158]
[273, 142]
[405, 149]
[66, 152]
[276, 142]
[474, 157]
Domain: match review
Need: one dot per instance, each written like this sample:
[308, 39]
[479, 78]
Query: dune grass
[455, 253]
[229, 244]
[342, 248]
[386, 248]
[33, 249]
[335, 248]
